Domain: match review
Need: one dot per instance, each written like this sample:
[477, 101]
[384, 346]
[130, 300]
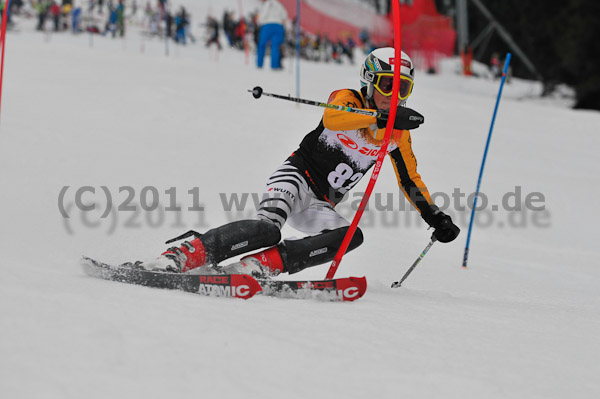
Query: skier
[305, 189]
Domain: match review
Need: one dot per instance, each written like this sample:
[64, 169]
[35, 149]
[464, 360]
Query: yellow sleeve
[409, 180]
[340, 120]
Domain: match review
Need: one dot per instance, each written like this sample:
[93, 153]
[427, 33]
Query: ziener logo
[347, 141]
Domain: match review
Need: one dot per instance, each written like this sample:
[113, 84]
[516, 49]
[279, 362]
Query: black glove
[406, 119]
[445, 230]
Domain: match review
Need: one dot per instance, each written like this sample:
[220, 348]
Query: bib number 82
[343, 178]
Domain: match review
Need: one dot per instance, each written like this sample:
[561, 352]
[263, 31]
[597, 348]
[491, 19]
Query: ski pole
[257, 92]
[485, 152]
[397, 284]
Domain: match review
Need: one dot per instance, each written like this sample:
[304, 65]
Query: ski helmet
[375, 73]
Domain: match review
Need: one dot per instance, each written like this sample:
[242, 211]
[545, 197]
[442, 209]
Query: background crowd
[159, 19]
[564, 60]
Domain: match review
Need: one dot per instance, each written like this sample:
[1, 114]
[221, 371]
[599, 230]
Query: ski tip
[244, 286]
[92, 267]
[86, 261]
[351, 288]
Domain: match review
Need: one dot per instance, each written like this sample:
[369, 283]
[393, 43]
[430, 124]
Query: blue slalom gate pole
[487, 146]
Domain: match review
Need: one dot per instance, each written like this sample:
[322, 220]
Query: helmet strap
[367, 92]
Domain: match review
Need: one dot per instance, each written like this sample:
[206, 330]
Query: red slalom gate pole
[3, 44]
[389, 128]
[4, 19]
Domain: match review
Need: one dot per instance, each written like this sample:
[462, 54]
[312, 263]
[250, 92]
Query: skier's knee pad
[315, 250]
[239, 237]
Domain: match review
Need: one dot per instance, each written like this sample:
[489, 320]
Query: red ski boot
[266, 263]
[190, 255]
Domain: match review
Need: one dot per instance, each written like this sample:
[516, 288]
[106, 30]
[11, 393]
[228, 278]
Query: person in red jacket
[55, 12]
[305, 189]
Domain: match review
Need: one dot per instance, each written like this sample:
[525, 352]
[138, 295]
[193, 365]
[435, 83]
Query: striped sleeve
[405, 165]
[340, 120]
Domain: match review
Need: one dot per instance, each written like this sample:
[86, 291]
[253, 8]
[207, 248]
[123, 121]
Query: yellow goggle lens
[385, 82]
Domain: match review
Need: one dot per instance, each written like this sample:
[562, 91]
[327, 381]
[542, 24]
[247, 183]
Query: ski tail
[341, 289]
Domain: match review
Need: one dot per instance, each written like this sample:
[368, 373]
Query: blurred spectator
[170, 22]
[8, 14]
[365, 39]
[28, 9]
[55, 12]
[121, 18]
[495, 66]
[65, 12]
[213, 32]
[239, 37]
[346, 49]
[254, 27]
[111, 23]
[134, 8]
[181, 22]
[229, 27]
[76, 20]
[271, 18]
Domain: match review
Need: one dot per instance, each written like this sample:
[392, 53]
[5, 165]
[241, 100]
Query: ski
[225, 285]
[210, 282]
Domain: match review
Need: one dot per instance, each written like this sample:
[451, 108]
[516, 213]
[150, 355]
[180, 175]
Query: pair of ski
[229, 285]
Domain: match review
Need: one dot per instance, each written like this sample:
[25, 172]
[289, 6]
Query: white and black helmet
[381, 61]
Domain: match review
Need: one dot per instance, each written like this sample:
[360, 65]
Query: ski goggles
[384, 82]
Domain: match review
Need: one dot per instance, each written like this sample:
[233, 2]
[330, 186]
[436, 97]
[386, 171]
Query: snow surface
[521, 322]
